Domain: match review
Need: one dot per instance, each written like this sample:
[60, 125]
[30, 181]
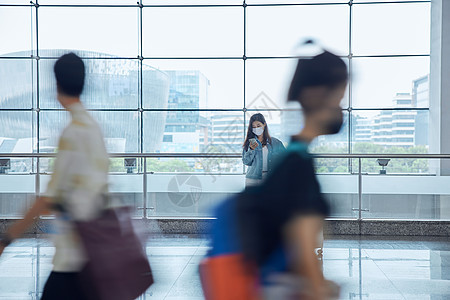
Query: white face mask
[258, 130]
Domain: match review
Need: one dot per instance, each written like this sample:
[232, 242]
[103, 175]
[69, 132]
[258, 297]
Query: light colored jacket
[254, 158]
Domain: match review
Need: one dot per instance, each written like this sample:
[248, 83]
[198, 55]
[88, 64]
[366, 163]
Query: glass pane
[338, 186]
[120, 129]
[205, 83]
[156, 84]
[21, 2]
[16, 31]
[387, 131]
[396, 166]
[14, 165]
[112, 31]
[109, 83]
[383, 82]
[291, 123]
[269, 79]
[17, 131]
[128, 188]
[404, 29]
[279, 30]
[17, 193]
[226, 134]
[405, 191]
[17, 82]
[336, 143]
[332, 166]
[198, 165]
[193, 131]
[281, 124]
[51, 126]
[193, 32]
[189, 195]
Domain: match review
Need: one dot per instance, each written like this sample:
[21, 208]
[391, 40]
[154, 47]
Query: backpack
[224, 273]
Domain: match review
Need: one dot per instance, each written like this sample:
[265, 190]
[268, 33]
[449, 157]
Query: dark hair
[266, 136]
[70, 73]
[325, 69]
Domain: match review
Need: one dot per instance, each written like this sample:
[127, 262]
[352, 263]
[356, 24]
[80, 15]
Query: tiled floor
[370, 268]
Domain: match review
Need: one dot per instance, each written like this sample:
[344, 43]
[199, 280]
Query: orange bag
[227, 277]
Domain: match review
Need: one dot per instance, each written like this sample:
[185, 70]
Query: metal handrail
[231, 155]
[145, 156]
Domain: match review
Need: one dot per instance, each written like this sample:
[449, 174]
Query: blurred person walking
[260, 150]
[264, 239]
[76, 193]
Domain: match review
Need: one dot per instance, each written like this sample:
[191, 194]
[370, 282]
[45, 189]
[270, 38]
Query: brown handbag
[118, 267]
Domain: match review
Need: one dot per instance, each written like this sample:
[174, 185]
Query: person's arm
[301, 234]
[248, 156]
[43, 204]
[40, 207]
[304, 211]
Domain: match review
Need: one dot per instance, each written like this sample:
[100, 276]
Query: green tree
[171, 165]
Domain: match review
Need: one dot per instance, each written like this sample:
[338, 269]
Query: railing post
[144, 196]
[359, 190]
[37, 274]
[37, 188]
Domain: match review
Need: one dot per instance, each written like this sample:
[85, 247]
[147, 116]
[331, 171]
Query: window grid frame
[141, 110]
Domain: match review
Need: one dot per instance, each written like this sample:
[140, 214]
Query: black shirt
[289, 191]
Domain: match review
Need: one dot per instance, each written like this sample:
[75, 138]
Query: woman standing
[260, 150]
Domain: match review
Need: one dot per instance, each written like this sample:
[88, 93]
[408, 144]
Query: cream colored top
[79, 177]
[265, 155]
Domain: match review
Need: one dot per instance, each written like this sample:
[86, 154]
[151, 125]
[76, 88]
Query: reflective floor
[369, 268]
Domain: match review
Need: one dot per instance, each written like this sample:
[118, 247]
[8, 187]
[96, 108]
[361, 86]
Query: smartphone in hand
[253, 143]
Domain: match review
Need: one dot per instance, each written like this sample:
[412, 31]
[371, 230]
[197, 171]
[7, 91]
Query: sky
[381, 29]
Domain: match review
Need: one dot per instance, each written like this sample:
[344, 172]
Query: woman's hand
[253, 145]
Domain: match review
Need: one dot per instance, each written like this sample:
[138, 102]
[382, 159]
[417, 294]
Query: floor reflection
[366, 269]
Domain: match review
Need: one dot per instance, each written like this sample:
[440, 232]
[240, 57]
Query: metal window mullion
[244, 58]
[141, 79]
[350, 86]
[299, 3]
[392, 109]
[130, 6]
[38, 164]
[218, 57]
[141, 111]
[237, 155]
[16, 5]
[34, 105]
[37, 83]
[211, 5]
